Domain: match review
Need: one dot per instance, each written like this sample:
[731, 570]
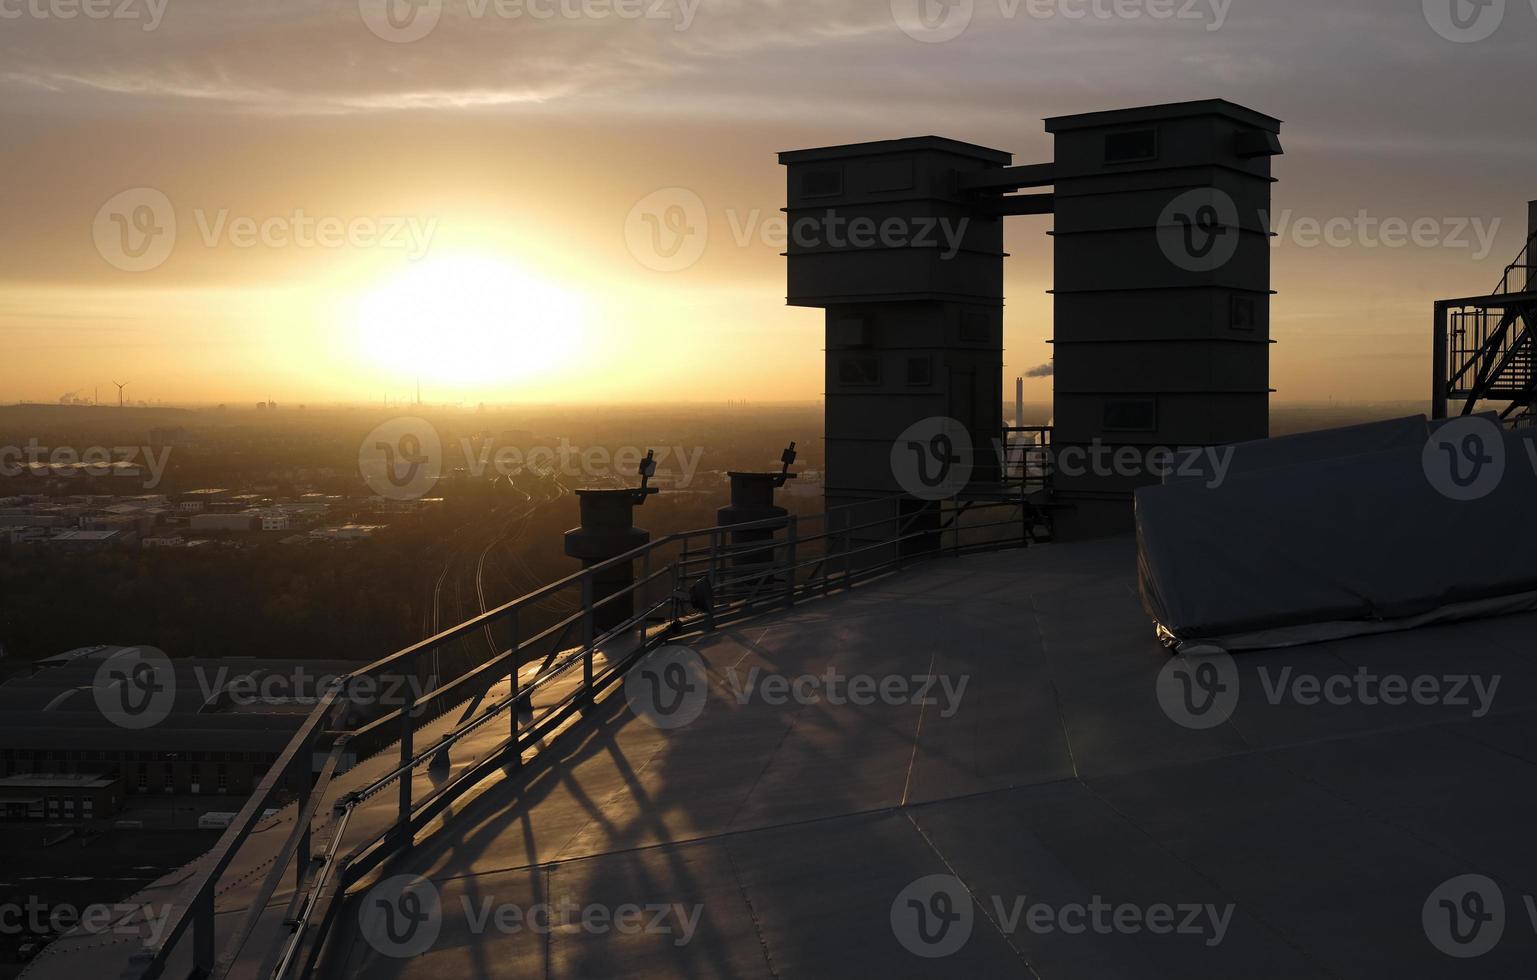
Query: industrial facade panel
[1168, 365]
[1154, 314]
[1184, 419]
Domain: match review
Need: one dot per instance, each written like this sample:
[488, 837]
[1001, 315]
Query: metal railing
[1524, 265]
[681, 582]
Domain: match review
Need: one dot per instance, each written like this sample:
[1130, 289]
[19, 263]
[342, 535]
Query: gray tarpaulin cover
[1352, 440]
[1315, 544]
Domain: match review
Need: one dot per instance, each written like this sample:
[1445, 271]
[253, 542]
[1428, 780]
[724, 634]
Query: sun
[469, 320]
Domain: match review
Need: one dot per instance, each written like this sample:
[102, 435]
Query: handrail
[800, 562]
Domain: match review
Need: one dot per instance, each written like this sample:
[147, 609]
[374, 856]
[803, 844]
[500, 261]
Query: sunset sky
[492, 168]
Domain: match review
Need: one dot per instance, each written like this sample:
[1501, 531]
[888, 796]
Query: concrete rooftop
[1317, 834]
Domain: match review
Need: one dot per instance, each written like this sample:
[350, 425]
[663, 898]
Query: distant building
[196, 501]
[229, 721]
[347, 532]
[244, 521]
[94, 540]
[59, 796]
[274, 519]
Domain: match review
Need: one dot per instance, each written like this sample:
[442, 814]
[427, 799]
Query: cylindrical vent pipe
[752, 500]
[608, 530]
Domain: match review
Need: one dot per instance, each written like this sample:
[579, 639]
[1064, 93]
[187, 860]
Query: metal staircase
[1485, 346]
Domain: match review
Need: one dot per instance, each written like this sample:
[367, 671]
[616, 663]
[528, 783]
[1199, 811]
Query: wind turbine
[120, 386]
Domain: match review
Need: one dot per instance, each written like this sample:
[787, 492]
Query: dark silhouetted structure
[1483, 348]
[1162, 293]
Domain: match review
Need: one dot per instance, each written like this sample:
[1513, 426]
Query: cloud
[1041, 371]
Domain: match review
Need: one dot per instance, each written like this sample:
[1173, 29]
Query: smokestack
[1531, 251]
[1019, 403]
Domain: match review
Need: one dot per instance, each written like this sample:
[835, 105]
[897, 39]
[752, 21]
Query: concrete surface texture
[1034, 788]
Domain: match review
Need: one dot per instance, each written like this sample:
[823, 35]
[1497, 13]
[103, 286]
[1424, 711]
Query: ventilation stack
[910, 274]
[752, 502]
[1162, 295]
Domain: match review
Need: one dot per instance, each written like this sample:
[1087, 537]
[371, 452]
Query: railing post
[714, 558]
[202, 929]
[641, 592]
[588, 636]
[407, 752]
[792, 541]
[302, 859]
[513, 687]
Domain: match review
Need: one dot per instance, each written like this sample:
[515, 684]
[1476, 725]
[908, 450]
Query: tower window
[1132, 146]
[859, 371]
[1131, 415]
[920, 371]
[1241, 312]
[823, 182]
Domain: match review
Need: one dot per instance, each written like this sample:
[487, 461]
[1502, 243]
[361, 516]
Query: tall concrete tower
[1162, 293]
[910, 272]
